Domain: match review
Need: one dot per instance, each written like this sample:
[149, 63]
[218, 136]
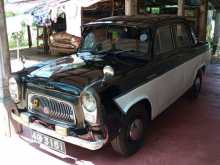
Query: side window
[163, 40]
[182, 35]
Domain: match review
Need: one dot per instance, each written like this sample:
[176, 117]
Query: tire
[132, 133]
[197, 85]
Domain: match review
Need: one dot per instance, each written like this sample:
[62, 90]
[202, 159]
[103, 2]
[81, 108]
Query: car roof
[138, 21]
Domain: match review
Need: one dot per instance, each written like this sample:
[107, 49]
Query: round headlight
[89, 101]
[14, 89]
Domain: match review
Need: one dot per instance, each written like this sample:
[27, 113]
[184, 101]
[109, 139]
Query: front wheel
[131, 136]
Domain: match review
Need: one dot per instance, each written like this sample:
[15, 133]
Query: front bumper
[23, 119]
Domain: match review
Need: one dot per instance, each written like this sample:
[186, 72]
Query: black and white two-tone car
[126, 72]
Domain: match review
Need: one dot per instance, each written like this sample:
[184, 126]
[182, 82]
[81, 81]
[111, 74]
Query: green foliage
[20, 37]
[10, 14]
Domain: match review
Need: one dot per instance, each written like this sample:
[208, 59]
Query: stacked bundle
[64, 43]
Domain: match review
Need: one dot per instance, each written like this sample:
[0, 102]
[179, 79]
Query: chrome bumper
[24, 120]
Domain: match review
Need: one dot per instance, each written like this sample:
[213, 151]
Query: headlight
[89, 106]
[89, 101]
[14, 90]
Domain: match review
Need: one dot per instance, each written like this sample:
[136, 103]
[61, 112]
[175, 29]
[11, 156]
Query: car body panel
[177, 80]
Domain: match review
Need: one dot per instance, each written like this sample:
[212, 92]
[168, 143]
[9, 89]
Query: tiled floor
[186, 134]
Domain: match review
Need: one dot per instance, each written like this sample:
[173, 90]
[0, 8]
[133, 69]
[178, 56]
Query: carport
[188, 133]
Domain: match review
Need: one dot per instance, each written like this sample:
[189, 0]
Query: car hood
[81, 70]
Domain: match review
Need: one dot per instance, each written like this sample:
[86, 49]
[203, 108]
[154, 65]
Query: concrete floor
[186, 134]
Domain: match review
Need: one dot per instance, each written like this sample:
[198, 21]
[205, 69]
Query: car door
[167, 67]
[188, 53]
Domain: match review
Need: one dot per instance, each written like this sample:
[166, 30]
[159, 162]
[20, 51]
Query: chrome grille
[51, 107]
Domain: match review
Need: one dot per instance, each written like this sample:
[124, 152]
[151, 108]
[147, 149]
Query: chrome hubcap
[136, 129]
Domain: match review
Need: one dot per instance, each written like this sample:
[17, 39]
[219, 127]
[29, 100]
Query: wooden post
[113, 7]
[17, 45]
[180, 8]
[131, 7]
[203, 20]
[5, 102]
[29, 36]
[37, 37]
[45, 40]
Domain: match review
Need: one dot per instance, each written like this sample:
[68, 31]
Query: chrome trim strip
[69, 139]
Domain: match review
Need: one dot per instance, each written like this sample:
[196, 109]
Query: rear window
[163, 40]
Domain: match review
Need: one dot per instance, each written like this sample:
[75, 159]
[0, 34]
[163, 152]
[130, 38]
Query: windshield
[116, 38]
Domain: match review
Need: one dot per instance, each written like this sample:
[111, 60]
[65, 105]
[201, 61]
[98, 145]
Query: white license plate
[48, 141]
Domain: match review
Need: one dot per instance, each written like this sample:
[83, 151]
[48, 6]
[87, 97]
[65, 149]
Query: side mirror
[108, 72]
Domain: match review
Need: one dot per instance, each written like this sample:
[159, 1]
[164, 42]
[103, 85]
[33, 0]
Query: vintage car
[127, 71]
